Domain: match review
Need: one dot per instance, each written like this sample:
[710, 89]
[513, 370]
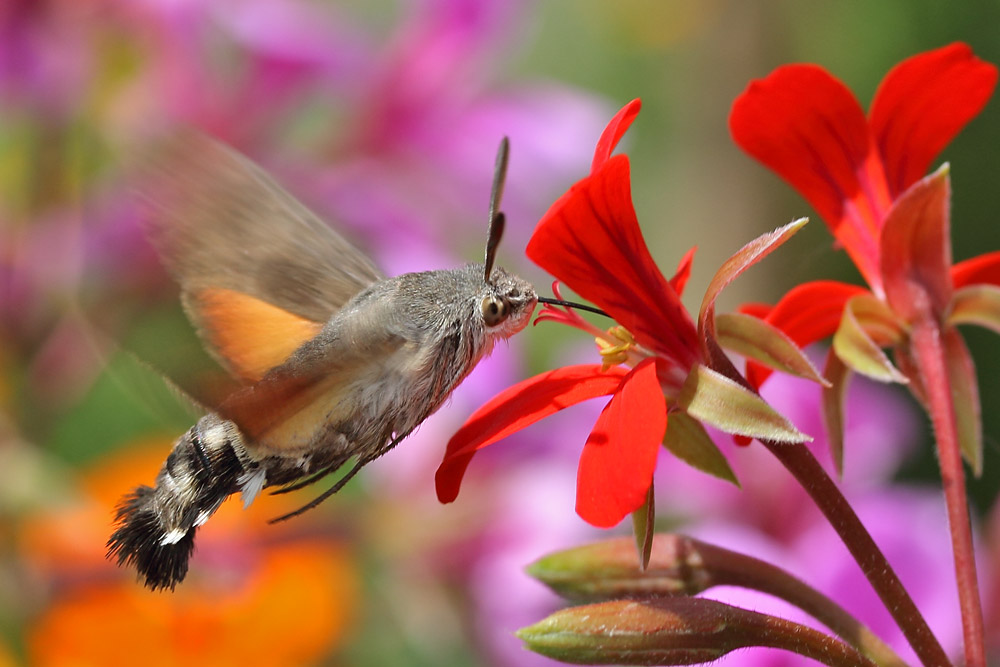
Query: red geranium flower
[590, 239]
[865, 177]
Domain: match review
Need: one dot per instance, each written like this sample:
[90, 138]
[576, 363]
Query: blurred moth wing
[259, 273]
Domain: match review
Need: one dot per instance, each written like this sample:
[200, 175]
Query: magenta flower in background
[425, 122]
[243, 72]
[45, 57]
[395, 139]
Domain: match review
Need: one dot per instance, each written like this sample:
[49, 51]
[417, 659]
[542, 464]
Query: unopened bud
[673, 631]
[610, 569]
[625, 632]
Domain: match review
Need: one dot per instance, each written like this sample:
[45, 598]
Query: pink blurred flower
[390, 134]
[45, 58]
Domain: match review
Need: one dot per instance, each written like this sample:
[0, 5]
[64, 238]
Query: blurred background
[384, 117]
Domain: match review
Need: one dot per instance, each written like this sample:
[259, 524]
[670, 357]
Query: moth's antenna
[497, 219]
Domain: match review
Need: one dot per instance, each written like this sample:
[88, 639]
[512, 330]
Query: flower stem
[729, 568]
[928, 350]
[800, 462]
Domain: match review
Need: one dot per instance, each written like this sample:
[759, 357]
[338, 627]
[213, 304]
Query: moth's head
[507, 303]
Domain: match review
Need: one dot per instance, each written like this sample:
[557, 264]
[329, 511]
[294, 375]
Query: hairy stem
[799, 461]
[729, 568]
[928, 351]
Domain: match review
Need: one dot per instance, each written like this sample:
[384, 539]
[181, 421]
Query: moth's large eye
[494, 310]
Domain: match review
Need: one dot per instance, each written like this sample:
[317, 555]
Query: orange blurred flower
[257, 594]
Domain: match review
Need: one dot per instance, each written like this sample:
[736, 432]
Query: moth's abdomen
[155, 526]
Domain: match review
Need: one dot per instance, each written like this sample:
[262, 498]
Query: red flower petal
[616, 467]
[807, 126]
[613, 133]
[916, 249]
[517, 407]
[680, 279]
[807, 313]
[981, 269]
[590, 240]
[756, 309]
[922, 104]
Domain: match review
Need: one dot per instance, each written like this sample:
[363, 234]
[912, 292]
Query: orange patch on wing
[251, 335]
[285, 415]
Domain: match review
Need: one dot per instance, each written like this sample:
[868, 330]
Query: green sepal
[643, 520]
[976, 304]
[865, 326]
[713, 398]
[965, 399]
[761, 341]
[839, 375]
[915, 248]
[688, 440]
[742, 260]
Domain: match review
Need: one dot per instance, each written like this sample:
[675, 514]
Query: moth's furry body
[403, 361]
[388, 357]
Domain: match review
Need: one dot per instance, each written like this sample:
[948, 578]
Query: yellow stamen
[614, 354]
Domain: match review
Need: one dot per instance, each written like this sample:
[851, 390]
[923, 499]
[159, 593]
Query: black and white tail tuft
[138, 542]
[155, 526]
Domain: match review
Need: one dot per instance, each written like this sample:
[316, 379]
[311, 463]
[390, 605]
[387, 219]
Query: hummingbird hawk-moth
[335, 361]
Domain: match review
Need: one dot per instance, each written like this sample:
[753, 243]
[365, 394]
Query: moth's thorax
[441, 302]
